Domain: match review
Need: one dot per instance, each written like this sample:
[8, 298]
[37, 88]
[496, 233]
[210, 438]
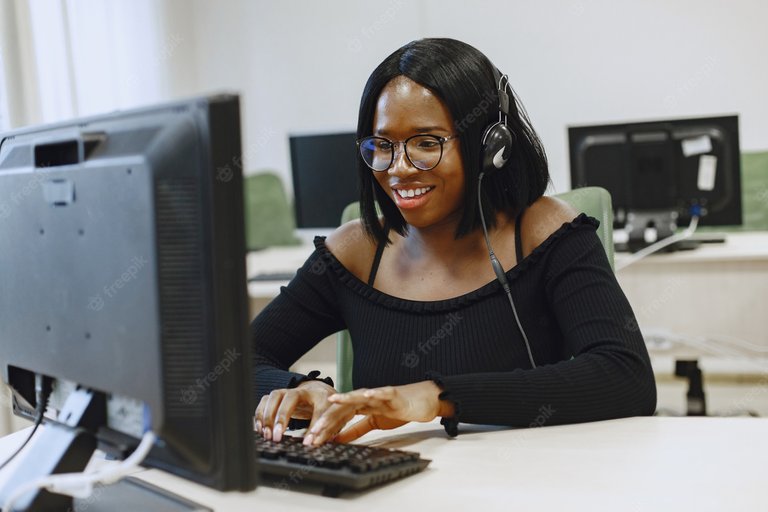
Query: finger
[355, 431]
[257, 416]
[318, 413]
[270, 410]
[284, 414]
[332, 420]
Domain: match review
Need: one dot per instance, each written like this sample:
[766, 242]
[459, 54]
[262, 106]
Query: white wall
[301, 65]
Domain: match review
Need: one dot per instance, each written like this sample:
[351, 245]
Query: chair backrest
[269, 217]
[594, 201]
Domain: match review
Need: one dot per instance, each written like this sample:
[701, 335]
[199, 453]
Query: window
[4, 120]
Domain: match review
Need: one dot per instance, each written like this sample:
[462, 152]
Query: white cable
[712, 346]
[634, 258]
[80, 485]
[742, 344]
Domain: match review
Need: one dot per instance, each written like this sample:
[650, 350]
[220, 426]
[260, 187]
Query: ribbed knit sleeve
[304, 313]
[609, 374]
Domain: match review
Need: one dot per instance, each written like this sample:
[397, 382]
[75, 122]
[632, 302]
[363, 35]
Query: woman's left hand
[386, 408]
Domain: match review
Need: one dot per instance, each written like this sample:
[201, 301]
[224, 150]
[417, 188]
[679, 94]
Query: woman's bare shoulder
[545, 216]
[351, 245]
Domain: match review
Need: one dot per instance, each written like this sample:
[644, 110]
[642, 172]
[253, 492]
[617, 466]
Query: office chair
[594, 201]
[269, 219]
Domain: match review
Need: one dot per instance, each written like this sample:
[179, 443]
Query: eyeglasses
[423, 151]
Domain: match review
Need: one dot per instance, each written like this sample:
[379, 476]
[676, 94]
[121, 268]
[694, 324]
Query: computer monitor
[677, 166]
[123, 282]
[324, 168]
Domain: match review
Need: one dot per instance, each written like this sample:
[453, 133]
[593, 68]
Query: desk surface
[633, 464]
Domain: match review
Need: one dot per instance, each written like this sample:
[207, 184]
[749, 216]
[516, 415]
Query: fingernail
[316, 428]
[278, 432]
[368, 394]
[308, 440]
[267, 433]
[258, 425]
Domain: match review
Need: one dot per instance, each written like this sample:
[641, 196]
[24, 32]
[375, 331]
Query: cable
[499, 271]
[80, 485]
[41, 397]
[716, 346]
[634, 258]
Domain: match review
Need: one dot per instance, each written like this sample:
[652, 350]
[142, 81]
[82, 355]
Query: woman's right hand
[308, 400]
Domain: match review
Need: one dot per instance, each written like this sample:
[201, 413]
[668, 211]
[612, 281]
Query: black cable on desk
[42, 393]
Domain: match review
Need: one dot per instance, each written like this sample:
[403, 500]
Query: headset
[498, 138]
[495, 151]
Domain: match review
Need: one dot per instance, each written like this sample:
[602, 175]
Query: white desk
[634, 464]
[274, 260]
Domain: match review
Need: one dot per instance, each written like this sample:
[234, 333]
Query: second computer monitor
[680, 165]
[324, 177]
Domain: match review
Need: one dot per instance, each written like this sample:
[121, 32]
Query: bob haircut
[463, 78]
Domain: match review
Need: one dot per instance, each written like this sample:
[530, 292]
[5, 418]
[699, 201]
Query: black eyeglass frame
[442, 140]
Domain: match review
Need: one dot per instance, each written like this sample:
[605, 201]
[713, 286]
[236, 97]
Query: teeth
[413, 192]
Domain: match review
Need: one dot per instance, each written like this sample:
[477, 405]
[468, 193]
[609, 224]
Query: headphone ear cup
[497, 147]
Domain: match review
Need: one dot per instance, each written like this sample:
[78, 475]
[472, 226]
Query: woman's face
[406, 108]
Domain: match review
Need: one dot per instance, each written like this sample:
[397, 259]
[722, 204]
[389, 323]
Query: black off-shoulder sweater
[591, 360]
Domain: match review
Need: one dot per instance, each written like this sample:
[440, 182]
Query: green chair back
[754, 190]
[269, 217]
[593, 201]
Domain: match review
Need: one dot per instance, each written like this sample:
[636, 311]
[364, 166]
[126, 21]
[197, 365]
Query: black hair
[463, 78]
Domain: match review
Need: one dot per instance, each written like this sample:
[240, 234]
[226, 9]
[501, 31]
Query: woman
[434, 332]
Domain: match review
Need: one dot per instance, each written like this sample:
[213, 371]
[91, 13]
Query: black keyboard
[335, 466]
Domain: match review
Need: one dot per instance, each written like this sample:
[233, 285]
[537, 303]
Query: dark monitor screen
[325, 181]
[123, 274]
[682, 165]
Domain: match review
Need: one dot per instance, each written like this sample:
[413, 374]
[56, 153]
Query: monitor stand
[66, 446]
[134, 494]
[661, 224]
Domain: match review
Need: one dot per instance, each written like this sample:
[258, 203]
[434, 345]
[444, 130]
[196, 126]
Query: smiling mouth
[412, 198]
[414, 192]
